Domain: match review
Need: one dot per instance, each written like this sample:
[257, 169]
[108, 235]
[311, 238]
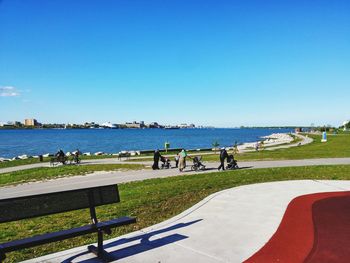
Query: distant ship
[108, 125]
[171, 127]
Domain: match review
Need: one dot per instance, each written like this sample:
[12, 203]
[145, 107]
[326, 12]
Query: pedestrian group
[180, 160]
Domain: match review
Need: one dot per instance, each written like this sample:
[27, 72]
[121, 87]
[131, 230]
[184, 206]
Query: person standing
[156, 158]
[182, 160]
[223, 156]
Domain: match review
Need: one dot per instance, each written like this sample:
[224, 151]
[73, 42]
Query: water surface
[41, 141]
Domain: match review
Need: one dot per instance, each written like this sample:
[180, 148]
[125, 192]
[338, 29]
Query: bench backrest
[13, 209]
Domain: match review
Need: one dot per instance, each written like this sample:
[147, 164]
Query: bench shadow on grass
[143, 245]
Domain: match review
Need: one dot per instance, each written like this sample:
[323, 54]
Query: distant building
[134, 125]
[18, 124]
[171, 127]
[30, 122]
[91, 125]
[6, 124]
[154, 125]
[11, 124]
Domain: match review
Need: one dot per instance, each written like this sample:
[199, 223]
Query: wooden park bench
[57, 160]
[18, 208]
[126, 155]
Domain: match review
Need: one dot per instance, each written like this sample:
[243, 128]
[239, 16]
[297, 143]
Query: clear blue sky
[222, 63]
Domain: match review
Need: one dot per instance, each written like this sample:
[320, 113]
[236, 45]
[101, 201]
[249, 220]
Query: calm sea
[35, 142]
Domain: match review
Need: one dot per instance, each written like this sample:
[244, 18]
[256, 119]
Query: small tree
[262, 145]
[215, 144]
[235, 148]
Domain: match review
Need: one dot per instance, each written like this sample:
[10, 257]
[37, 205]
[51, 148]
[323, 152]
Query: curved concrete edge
[304, 141]
[227, 226]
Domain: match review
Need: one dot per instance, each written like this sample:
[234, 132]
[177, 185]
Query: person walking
[223, 156]
[177, 157]
[156, 158]
[182, 160]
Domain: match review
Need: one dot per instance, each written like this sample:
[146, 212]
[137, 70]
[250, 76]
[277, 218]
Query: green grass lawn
[214, 157]
[47, 159]
[46, 173]
[153, 201]
[337, 146]
[20, 162]
[147, 156]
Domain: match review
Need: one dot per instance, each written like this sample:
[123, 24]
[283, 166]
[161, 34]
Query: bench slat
[13, 209]
[64, 234]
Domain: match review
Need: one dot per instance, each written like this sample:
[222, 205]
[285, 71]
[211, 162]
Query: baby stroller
[231, 163]
[197, 164]
[165, 163]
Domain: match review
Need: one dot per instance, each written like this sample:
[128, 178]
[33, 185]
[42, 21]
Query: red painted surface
[294, 240]
[331, 218]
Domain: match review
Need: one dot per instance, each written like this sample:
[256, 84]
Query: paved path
[228, 226]
[45, 164]
[305, 140]
[104, 178]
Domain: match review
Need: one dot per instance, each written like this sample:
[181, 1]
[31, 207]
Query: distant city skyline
[131, 124]
[212, 63]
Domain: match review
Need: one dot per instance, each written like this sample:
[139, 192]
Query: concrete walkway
[228, 226]
[304, 140]
[104, 178]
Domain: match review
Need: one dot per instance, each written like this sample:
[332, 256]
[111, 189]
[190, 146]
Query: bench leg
[2, 256]
[99, 251]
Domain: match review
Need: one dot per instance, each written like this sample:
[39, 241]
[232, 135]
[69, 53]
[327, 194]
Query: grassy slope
[147, 157]
[155, 200]
[289, 153]
[337, 146]
[46, 173]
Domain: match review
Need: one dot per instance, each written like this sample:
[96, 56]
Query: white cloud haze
[8, 91]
